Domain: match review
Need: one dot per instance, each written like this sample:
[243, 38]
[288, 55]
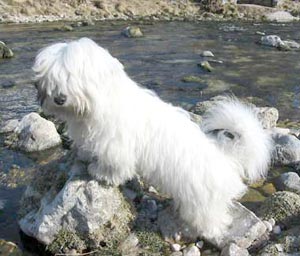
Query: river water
[159, 61]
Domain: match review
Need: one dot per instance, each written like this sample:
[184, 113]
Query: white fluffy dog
[123, 129]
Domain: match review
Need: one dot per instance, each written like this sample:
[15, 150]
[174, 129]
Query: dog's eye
[60, 99]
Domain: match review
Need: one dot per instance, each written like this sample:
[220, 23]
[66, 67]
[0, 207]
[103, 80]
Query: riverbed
[160, 60]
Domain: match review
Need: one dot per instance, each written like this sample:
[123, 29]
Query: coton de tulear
[122, 130]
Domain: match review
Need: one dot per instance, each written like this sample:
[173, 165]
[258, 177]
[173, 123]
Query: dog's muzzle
[60, 99]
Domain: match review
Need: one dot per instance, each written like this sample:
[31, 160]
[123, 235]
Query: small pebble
[276, 230]
[175, 247]
[272, 222]
[191, 251]
[268, 225]
[177, 237]
[152, 190]
[200, 244]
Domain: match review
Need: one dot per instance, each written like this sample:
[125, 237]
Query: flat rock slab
[245, 229]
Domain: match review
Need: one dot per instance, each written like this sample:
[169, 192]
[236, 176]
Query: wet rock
[149, 208]
[132, 32]
[268, 117]
[272, 40]
[9, 126]
[287, 148]
[207, 54]
[56, 205]
[33, 133]
[233, 250]
[291, 44]
[205, 66]
[8, 84]
[9, 249]
[280, 16]
[191, 251]
[283, 207]
[5, 52]
[289, 181]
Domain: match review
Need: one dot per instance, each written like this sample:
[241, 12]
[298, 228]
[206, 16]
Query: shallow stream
[159, 61]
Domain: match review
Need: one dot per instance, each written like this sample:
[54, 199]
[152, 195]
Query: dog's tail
[240, 134]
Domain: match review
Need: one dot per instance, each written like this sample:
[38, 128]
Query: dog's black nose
[60, 99]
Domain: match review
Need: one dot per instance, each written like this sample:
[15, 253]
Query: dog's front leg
[108, 173]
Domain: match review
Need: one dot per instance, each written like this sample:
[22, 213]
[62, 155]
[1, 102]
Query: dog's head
[70, 77]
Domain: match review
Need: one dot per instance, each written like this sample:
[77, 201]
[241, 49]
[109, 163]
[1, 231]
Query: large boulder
[32, 133]
[62, 207]
[280, 16]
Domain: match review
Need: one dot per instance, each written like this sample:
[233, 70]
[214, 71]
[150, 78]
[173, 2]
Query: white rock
[268, 225]
[200, 244]
[36, 133]
[9, 126]
[233, 250]
[82, 206]
[207, 54]
[276, 230]
[272, 40]
[280, 16]
[272, 222]
[175, 247]
[268, 117]
[191, 251]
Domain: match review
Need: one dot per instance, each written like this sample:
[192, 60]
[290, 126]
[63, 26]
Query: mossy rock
[284, 207]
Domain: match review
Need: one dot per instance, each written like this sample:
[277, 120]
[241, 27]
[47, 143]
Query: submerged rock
[32, 133]
[5, 52]
[132, 31]
[205, 66]
[71, 206]
[271, 40]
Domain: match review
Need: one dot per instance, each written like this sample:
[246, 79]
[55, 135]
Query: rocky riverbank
[23, 11]
[69, 213]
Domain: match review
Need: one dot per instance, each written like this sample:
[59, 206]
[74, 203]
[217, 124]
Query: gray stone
[289, 181]
[291, 44]
[5, 52]
[268, 116]
[245, 228]
[9, 126]
[132, 32]
[129, 246]
[272, 40]
[191, 251]
[287, 148]
[175, 247]
[284, 207]
[233, 250]
[36, 133]
[206, 66]
[78, 205]
[280, 16]
[176, 254]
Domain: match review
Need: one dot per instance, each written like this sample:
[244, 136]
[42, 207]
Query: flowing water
[159, 61]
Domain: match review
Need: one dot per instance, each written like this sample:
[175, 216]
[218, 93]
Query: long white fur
[123, 129]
